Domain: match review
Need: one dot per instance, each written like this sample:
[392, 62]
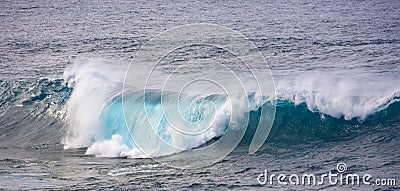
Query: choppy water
[336, 66]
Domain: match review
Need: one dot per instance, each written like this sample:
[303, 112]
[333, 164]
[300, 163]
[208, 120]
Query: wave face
[142, 119]
[85, 109]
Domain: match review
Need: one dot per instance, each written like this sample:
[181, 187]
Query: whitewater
[96, 120]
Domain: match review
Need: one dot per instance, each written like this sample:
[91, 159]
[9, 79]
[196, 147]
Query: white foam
[93, 82]
[349, 96]
[114, 147]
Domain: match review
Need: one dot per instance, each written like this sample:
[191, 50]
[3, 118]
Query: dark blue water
[336, 66]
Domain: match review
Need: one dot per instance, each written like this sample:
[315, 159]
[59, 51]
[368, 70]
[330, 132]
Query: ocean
[189, 95]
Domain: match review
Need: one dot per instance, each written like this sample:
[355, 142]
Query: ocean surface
[336, 75]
